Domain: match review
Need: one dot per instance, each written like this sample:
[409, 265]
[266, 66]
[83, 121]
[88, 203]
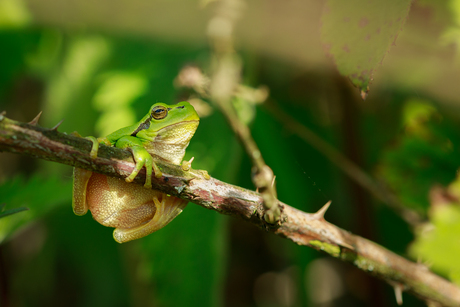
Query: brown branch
[300, 227]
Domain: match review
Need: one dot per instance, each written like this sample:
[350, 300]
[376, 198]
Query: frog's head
[167, 129]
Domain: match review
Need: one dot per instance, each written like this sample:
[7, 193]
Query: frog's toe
[148, 182]
[104, 140]
[94, 148]
[167, 208]
[187, 165]
[206, 175]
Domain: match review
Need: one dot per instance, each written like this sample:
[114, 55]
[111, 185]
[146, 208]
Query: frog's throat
[170, 142]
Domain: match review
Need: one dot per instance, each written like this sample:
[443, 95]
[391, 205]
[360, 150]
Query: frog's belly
[116, 203]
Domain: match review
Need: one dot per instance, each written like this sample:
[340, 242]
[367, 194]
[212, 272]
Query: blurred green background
[100, 65]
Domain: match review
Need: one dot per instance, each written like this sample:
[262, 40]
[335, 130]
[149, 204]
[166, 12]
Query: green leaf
[11, 211]
[114, 99]
[438, 244]
[358, 34]
[40, 194]
[424, 154]
[14, 14]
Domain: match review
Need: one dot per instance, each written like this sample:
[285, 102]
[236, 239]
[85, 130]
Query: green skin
[141, 138]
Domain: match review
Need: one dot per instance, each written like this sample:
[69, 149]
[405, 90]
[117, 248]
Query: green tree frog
[133, 210]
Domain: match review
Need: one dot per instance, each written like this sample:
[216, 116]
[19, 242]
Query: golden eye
[159, 112]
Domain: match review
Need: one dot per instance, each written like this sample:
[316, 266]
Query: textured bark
[302, 228]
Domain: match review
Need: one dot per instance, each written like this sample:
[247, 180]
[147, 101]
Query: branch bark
[302, 228]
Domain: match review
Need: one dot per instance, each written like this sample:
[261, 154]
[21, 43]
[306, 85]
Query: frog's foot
[142, 157]
[75, 133]
[167, 208]
[96, 142]
[95, 147]
[187, 166]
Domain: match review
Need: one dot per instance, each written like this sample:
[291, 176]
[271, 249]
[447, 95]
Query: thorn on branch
[398, 293]
[34, 121]
[320, 213]
[55, 128]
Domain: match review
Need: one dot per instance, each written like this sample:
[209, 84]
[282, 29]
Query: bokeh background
[100, 65]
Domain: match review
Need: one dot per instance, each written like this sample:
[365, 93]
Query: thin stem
[224, 81]
[343, 163]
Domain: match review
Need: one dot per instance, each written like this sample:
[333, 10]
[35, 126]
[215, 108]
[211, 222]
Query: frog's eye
[159, 112]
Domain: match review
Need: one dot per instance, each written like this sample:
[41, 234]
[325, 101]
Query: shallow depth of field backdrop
[99, 65]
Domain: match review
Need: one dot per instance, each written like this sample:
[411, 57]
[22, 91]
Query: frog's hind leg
[80, 182]
[81, 178]
[167, 208]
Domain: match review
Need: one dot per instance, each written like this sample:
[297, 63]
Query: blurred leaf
[359, 33]
[71, 83]
[416, 112]
[119, 89]
[244, 109]
[114, 98]
[44, 58]
[454, 6]
[438, 243]
[451, 35]
[13, 13]
[424, 155]
[11, 211]
[40, 194]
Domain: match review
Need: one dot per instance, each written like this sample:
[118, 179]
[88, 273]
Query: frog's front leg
[167, 208]
[141, 157]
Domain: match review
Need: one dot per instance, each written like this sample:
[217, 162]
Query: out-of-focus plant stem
[343, 163]
[225, 79]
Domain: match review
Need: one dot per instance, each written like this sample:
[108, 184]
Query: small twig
[223, 84]
[300, 227]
